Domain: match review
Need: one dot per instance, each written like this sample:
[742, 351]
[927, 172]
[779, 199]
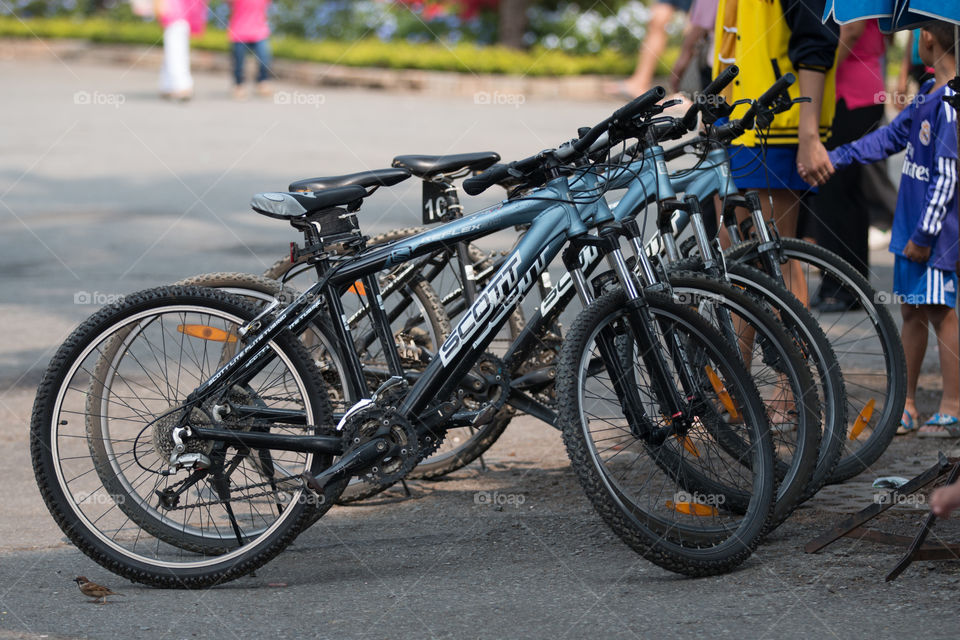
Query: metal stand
[853, 527]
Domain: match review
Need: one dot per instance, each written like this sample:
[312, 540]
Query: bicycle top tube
[553, 223]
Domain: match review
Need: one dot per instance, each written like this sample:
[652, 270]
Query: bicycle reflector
[688, 445]
[863, 419]
[722, 392]
[692, 508]
[358, 288]
[204, 332]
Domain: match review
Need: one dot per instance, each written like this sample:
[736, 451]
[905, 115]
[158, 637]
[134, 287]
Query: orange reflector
[721, 392]
[692, 508]
[863, 419]
[204, 332]
[688, 445]
[357, 288]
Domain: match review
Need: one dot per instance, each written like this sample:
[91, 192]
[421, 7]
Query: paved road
[104, 190]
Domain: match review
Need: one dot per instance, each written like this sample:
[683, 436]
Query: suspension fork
[668, 396]
[655, 280]
[768, 240]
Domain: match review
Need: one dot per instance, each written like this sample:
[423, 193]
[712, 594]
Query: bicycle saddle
[286, 206]
[425, 166]
[375, 178]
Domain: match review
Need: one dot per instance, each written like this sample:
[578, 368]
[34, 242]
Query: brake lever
[721, 109]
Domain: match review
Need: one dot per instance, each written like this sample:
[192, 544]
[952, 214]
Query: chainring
[375, 421]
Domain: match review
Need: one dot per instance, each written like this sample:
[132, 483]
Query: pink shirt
[193, 11]
[860, 77]
[248, 21]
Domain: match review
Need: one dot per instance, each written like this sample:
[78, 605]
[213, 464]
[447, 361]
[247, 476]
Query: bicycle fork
[618, 360]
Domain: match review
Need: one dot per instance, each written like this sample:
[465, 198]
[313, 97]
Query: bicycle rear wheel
[101, 478]
[651, 493]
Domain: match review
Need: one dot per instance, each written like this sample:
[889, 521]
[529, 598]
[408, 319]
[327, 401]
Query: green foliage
[368, 52]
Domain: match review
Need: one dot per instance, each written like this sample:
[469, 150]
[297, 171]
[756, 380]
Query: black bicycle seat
[426, 166]
[287, 206]
[375, 178]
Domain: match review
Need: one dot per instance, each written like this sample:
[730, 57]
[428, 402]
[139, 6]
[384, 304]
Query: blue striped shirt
[927, 201]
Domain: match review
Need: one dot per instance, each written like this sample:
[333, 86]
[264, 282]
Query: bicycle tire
[58, 401]
[786, 377]
[686, 549]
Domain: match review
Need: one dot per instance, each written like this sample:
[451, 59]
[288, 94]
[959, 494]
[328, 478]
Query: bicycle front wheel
[652, 492]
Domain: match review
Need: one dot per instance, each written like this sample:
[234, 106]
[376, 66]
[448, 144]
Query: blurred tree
[512, 22]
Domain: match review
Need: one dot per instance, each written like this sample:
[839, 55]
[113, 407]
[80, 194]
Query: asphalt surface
[104, 189]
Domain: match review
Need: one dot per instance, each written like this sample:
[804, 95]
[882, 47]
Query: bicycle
[262, 417]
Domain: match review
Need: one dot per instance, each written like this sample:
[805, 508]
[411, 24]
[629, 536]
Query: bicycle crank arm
[354, 463]
[332, 445]
[526, 404]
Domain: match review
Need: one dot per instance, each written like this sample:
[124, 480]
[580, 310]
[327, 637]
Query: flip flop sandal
[906, 426]
[943, 426]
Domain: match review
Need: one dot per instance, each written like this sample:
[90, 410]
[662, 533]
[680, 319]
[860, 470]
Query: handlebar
[718, 84]
[765, 101]
[479, 183]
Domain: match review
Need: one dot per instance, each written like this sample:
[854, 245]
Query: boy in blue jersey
[924, 226]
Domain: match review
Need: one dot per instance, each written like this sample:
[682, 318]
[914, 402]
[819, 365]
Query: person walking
[249, 32]
[180, 20]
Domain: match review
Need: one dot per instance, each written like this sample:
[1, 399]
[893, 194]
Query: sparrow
[94, 590]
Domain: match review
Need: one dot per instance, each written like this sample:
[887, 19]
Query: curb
[482, 87]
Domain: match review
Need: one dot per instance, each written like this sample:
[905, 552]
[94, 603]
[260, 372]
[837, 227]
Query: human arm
[876, 145]
[812, 49]
[849, 34]
[694, 35]
[813, 161]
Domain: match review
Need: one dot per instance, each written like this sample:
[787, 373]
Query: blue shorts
[916, 283]
[780, 171]
[680, 5]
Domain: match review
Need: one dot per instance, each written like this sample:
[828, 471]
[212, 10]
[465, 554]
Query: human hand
[813, 162]
[916, 253]
[944, 500]
[900, 97]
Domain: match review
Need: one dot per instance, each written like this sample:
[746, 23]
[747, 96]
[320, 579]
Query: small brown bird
[94, 590]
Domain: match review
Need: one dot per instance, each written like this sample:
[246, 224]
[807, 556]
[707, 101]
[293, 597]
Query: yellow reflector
[692, 508]
[863, 419]
[357, 288]
[204, 332]
[721, 392]
[688, 445]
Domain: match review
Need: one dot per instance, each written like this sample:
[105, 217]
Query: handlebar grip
[718, 84]
[778, 87]
[478, 184]
[721, 81]
[638, 105]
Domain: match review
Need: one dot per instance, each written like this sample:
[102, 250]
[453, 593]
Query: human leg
[651, 48]
[175, 78]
